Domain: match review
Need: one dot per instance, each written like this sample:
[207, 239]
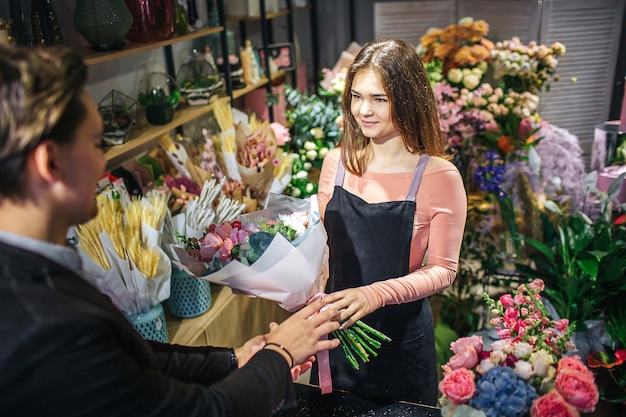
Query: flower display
[314, 131]
[526, 67]
[527, 372]
[463, 45]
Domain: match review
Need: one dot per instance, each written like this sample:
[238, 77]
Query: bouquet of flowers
[525, 373]
[257, 254]
[121, 253]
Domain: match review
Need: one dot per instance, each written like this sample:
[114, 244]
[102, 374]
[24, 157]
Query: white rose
[323, 151]
[307, 166]
[295, 192]
[524, 370]
[309, 187]
[542, 361]
[471, 81]
[522, 349]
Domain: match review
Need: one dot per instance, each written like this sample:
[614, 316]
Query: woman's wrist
[282, 350]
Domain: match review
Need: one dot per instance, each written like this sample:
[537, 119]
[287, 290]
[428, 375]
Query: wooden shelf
[92, 58]
[268, 16]
[143, 134]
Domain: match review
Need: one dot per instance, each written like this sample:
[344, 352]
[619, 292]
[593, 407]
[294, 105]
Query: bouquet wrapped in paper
[278, 254]
[121, 252]
[258, 254]
[256, 157]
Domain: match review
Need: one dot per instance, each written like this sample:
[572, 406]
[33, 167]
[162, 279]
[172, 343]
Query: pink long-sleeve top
[438, 224]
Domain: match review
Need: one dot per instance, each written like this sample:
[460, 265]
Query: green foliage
[312, 121]
[583, 262]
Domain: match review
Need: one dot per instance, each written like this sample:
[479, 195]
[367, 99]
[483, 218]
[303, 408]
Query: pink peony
[462, 343]
[572, 363]
[458, 385]
[578, 388]
[552, 404]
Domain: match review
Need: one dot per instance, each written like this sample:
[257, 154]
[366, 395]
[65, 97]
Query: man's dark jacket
[65, 350]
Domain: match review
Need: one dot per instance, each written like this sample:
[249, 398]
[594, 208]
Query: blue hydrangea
[501, 393]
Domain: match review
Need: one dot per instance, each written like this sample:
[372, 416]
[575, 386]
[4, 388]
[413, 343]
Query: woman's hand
[351, 303]
[301, 334]
[249, 349]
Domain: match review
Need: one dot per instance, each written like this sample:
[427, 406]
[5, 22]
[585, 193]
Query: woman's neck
[389, 155]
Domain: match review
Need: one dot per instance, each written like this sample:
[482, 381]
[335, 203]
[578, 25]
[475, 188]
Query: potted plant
[199, 79]
[119, 114]
[159, 94]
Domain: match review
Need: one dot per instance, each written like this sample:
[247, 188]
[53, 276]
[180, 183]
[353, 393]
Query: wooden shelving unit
[92, 58]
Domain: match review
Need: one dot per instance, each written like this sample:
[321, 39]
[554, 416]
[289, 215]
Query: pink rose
[210, 245]
[552, 404]
[578, 388]
[467, 358]
[225, 252]
[458, 385]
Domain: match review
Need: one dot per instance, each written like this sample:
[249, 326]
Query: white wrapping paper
[288, 273]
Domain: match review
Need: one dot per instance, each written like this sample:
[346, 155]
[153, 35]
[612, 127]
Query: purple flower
[490, 175]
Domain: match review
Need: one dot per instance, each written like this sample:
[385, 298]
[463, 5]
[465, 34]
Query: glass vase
[153, 20]
[104, 24]
[511, 241]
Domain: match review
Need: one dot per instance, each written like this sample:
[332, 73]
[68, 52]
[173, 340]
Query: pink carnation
[458, 385]
[552, 404]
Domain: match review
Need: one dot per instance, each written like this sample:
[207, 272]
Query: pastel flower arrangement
[524, 67]
[525, 373]
[243, 241]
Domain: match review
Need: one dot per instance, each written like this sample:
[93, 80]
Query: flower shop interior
[531, 96]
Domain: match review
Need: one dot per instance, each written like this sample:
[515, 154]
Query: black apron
[369, 243]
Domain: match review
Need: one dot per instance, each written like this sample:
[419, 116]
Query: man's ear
[46, 161]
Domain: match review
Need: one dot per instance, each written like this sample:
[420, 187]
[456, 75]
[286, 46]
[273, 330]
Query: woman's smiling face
[370, 106]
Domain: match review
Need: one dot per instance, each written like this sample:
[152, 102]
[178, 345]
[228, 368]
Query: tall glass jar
[153, 20]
